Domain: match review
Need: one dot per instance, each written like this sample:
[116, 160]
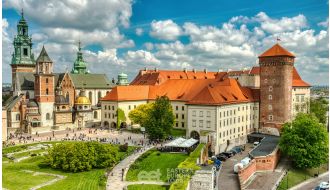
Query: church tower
[44, 87]
[22, 57]
[79, 66]
[276, 66]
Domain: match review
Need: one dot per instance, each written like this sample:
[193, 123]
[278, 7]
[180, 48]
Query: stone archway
[123, 125]
[195, 135]
[106, 124]
[113, 125]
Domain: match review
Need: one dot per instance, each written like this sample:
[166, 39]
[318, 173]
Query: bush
[123, 148]
[81, 156]
[33, 154]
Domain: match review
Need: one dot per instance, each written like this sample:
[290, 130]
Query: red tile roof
[276, 50]
[128, 93]
[227, 91]
[152, 77]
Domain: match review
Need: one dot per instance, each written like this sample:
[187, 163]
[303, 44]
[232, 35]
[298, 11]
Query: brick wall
[264, 163]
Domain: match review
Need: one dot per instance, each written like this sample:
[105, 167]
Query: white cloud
[140, 57]
[139, 31]
[149, 46]
[324, 24]
[284, 24]
[165, 30]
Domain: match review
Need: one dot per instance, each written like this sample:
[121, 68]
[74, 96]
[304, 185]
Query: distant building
[219, 108]
[43, 100]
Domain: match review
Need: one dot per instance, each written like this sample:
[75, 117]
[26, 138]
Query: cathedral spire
[79, 66]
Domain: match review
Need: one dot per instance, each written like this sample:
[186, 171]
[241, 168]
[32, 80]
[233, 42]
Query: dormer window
[25, 51]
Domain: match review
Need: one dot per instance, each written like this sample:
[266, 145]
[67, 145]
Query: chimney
[194, 70]
[205, 71]
[145, 69]
[185, 70]
[156, 69]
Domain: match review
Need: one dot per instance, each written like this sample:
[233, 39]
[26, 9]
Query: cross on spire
[22, 13]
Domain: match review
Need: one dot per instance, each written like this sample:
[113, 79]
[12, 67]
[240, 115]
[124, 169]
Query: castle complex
[220, 108]
[43, 100]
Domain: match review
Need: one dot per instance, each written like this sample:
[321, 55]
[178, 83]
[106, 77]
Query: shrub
[81, 156]
[123, 148]
[33, 154]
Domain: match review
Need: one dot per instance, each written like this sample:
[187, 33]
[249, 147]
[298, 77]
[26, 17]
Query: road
[313, 183]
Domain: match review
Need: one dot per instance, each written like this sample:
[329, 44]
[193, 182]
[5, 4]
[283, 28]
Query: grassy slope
[153, 162]
[147, 187]
[14, 178]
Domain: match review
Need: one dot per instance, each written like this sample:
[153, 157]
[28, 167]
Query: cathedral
[43, 100]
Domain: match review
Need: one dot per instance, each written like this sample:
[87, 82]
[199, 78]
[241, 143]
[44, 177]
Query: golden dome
[82, 100]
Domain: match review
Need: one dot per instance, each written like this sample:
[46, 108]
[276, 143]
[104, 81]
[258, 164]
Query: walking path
[58, 177]
[313, 182]
[115, 179]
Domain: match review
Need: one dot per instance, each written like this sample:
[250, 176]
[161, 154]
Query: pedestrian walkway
[115, 178]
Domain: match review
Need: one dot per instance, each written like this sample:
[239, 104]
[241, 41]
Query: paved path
[311, 183]
[115, 181]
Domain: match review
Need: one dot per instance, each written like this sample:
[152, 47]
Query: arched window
[46, 91]
[95, 114]
[18, 117]
[99, 95]
[48, 116]
[67, 96]
[90, 95]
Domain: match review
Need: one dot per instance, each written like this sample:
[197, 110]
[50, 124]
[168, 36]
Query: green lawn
[153, 160]
[297, 176]
[147, 187]
[13, 176]
[178, 132]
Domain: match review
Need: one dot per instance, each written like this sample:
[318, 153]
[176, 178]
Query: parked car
[222, 158]
[233, 152]
[237, 167]
[228, 154]
[255, 143]
[323, 186]
[238, 149]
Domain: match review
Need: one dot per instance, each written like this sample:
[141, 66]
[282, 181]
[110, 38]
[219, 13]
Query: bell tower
[79, 66]
[44, 87]
[22, 57]
[276, 65]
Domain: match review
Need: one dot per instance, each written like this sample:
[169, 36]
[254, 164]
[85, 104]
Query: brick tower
[44, 87]
[22, 57]
[276, 65]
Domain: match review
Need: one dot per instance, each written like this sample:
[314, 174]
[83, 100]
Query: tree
[120, 117]
[319, 108]
[305, 140]
[160, 119]
[140, 114]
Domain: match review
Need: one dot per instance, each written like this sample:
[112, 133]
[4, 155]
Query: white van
[237, 167]
[255, 143]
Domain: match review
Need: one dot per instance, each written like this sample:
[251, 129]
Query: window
[176, 116]
[297, 98]
[25, 52]
[105, 115]
[224, 134]
[99, 96]
[134, 106]
[270, 107]
[63, 107]
[194, 113]
[46, 80]
[176, 124]
[113, 107]
[18, 117]
[200, 123]
[85, 107]
[129, 107]
[48, 116]
[201, 114]
[302, 98]
[80, 107]
[90, 95]
[208, 114]
[270, 88]
[182, 116]
[230, 112]
[270, 97]
[95, 114]
[67, 97]
[234, 112]
[220, 114]
[46, 91]
[176, 108]
[194, 123]
[270, 117]
[182, 124]
[182, 108]
[238, 109]
[208, 124]
[224, 114]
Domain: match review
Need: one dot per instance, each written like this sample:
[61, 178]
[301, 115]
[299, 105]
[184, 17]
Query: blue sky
[127, 36]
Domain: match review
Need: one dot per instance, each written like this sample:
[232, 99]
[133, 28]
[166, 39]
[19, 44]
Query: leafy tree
[81, 156]
[140, 114]
[305, 140]
[160, 120]
[319, 108]
[120, 117]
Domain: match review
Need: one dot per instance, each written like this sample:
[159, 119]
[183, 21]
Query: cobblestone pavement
[228, 180]
[115, 179]
[89, 133]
